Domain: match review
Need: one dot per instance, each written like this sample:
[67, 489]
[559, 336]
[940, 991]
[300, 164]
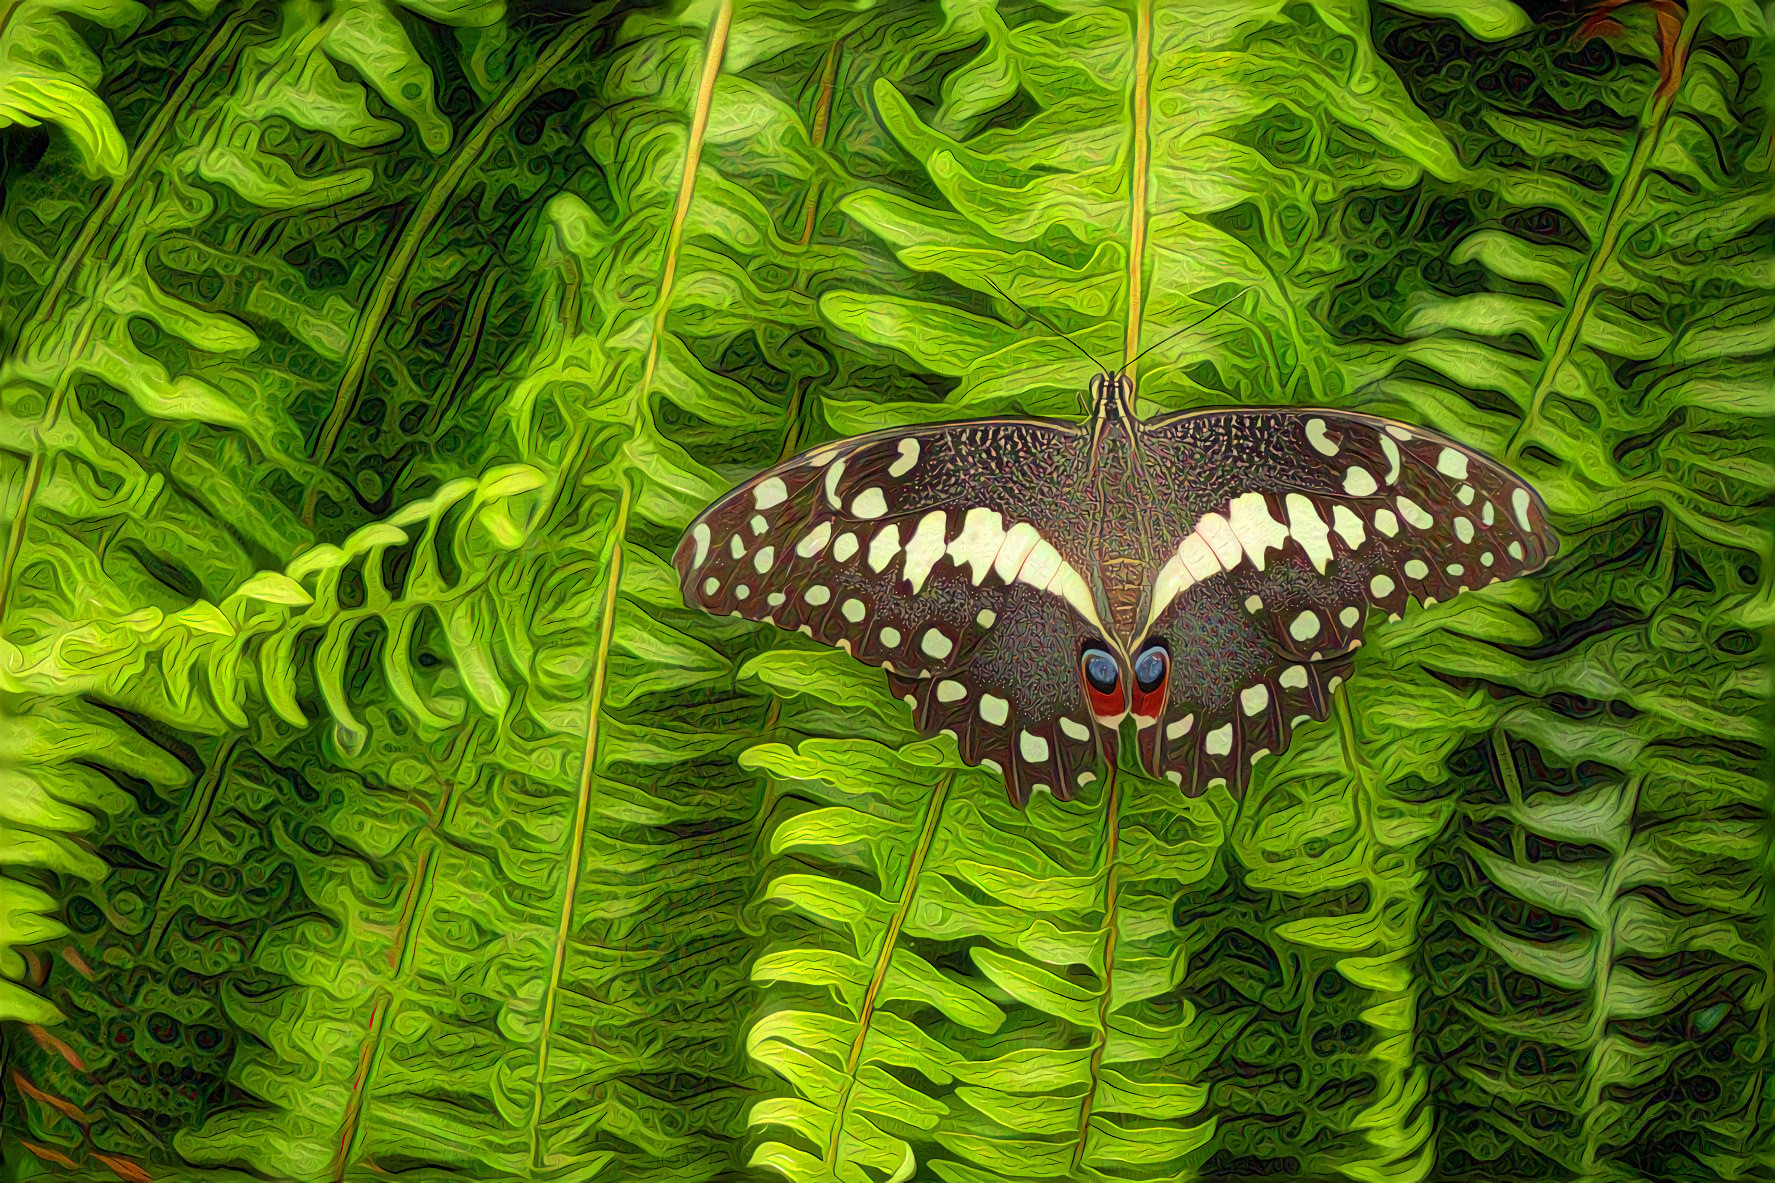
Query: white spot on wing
[982, 533]
[1175, 777]
[1218, 533]
[1464, 529]
[986, 618]
[1180, 728]
[701, 535]
[1305, 626]
[1414, 513]
[764, 558]
[1019, 541]
[770, 492]
[735, 547]
[935, 644]
[1519, 507]
[854, 611]
[742, 591]
[776, 599]
[1323, 443]
[1254, 604]
[870, 503]
[1033, 747]
[884, 548]
[711, 585]
[1256, 529]
[1464, 494]
[833, 476]
[1349, 616]
[1385, 522]
[1309, 529]
[818, 594]
[1515, 551]
[948, 691]
[845, 547]
[1416, 569]
[908, 457]
[1074, 729]
[994, 710]
[1392, 451]
[1253, 699]
[814, 541]
[1347, 525]
[890, 637]
[1399, 433]
[925, 547]
[1041, 565]
[1358, 481]
[1488, 515]
[1452, 463]
[1294, 677]
[1380, 586]
[1067, 584]
[1211, 549]
[1219, 741]
[759, 525]
[992, 765]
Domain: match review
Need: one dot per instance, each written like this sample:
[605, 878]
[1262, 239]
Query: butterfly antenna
[1101, 368]
[1179, 332]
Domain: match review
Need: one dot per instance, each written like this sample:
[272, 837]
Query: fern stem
[1140, 163]
[890, 939]
[822, 123]
[1506, 762]
[402, 955]
[197, 815]
[351, 1123]
[1105, 1004]
[1621, 204]
[581, 811]
[368, 325]
[466, 352]
[1595, 1121]
[693, 154]
[1398, 1152]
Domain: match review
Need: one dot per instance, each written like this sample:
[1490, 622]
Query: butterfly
[1029, 584]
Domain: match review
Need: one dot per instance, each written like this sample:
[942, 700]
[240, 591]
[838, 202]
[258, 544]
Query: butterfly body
[1028, 584]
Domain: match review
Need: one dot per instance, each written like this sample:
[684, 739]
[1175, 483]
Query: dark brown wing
[1285, 527]
[919, 550]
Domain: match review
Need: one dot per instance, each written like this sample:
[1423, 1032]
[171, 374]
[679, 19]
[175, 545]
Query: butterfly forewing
[918, 551]
[1292, 525]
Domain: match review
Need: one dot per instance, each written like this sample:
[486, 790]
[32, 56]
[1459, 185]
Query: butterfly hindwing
[1015, 705]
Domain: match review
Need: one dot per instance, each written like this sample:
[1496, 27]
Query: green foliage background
[370, 805]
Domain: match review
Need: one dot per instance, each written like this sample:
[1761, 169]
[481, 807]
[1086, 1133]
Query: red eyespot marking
[1105, 705]
[1103, 683]
[1152, 669]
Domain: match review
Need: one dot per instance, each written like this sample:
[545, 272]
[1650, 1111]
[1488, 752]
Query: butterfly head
[1112, 397]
